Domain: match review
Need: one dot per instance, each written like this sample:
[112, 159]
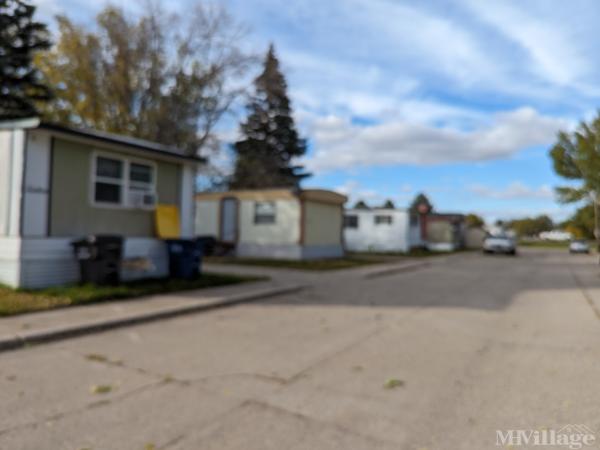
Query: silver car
[579, 246]
[500, 244]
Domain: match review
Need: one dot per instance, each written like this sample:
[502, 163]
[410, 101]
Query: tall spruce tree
[389, 204]
[264, 157]
[21, 84]
[361, 204]
[421, 204]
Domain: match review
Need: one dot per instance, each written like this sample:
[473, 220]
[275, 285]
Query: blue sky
[459, 99]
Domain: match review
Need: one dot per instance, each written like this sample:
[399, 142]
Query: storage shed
[274, 223]
[444, 232]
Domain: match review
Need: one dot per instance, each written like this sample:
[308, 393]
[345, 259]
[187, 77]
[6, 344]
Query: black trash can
[185, 258]
[207, 245]
[99, 258]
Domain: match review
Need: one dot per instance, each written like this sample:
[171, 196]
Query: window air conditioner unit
[142, 199]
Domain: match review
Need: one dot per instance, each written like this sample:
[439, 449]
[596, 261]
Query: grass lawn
[349, 261]
[19, 301]
[544, 244]
[317, 264]
[414, 253]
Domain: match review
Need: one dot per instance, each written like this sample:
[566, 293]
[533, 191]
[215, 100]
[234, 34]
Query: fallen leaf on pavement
[101, 389]
[96, 357]
[393, 383]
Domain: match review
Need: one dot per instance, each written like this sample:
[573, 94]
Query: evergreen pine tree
[270, 141]
[20, 82]
[421, 204]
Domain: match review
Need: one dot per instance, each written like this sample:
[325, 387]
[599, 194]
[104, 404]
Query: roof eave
[23, 123]
[121, 140]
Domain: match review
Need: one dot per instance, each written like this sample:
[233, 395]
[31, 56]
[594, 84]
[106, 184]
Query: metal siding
[72, 213]
[323, 224]
[207, 218]
[15, 183]
[394, 237]
[36, 185]
[188, 204]
[285, 230]
[10, 263]
[50, 261]
[5, 158]
[229, 220]
[269, 251]
[154, 250]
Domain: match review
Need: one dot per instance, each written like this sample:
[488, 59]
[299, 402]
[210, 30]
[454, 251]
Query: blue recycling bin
[185, 258]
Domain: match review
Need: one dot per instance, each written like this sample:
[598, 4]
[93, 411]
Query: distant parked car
[500, 244]
[579, 246]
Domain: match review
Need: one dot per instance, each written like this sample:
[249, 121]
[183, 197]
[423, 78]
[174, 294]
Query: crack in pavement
[262, 404]
[61, 415]
[586, 295]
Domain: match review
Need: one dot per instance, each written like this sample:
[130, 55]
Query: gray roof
[140, 144]
[376, 210]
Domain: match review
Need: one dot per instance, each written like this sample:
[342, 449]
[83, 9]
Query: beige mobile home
[58, 184]
[274, 223]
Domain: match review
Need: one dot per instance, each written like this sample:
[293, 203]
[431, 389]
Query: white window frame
[389, 220]
[274, 204]
[124, 182]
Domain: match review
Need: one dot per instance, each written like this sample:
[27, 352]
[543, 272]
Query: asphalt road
[467, 346]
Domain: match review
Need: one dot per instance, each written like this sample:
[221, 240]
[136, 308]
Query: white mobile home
[381, 230]
[58, 184]
[274, 223]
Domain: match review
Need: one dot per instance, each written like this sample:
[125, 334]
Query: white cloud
[515, 190]
[341, 145]
[323, 84]
[355, 191]
[347, 188]
[558, 214]
[552, 47]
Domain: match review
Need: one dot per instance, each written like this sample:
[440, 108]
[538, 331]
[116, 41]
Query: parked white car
[500, 244]
[579, 246]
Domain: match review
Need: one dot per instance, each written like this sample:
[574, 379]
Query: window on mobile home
[109, 180]
[383, 220]
[264, 212]
[122, 182]
[350, 221]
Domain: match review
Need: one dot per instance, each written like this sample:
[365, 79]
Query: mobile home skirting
[41, 262]
[289, 251]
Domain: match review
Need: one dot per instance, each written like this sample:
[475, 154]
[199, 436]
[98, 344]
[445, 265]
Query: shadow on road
[487, 282]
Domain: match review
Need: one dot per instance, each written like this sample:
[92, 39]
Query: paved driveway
[473, 345]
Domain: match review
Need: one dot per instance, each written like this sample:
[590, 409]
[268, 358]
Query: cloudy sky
[459, 99]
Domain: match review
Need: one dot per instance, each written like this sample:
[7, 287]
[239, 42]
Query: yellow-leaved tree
[154, 76]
